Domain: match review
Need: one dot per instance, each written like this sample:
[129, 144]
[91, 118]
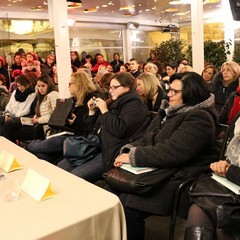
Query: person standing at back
[116, 63]
[134, 67]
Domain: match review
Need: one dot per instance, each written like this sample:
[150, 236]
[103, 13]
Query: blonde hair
[151, 84]
[234, 68]
[84, 86]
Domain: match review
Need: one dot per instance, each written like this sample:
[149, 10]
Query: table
[80, 210]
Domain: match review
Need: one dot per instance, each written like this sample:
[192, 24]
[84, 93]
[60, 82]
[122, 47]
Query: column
[197, 36]
[127, 45]
[58, 16]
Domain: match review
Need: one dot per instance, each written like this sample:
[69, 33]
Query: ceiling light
[125, 8]
[180, 14]
[37, 8]
[210, 1]
[171, 10]
[90, 10]
[180, 2]
[74, 3]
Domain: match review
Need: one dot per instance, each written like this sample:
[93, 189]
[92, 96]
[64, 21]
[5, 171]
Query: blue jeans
[91, 171]
[48, 149]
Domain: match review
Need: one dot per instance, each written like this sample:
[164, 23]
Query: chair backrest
[222, 138]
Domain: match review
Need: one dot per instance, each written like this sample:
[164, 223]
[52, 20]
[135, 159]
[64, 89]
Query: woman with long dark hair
[45, 103]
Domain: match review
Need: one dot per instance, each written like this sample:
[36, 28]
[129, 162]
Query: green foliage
[175, 50]
[170, 51]
[236, 54]
[216, 52]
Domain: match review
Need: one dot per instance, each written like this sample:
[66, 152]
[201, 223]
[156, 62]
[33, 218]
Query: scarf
[233, 149]
[22, 96]
[171, 111]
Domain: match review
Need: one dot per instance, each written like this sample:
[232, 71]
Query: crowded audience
[115, 100]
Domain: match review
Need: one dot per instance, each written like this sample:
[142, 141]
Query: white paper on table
[37, 186]
[8, 162]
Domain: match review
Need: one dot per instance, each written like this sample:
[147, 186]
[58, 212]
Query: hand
[7, 117]
[34, 120]
[120, 159]
[72, 119]
[220, 168]
[92, 106]
[101, 104]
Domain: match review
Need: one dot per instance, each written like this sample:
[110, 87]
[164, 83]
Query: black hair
[194, 88]
[173, 65]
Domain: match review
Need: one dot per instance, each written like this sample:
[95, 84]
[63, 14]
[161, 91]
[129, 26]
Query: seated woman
[225, 82]
[45, 104]
[199, 225]
[150, 90]
[81, 89]
[181, 136]
[20, 101]
[122, 119]
[208, 73]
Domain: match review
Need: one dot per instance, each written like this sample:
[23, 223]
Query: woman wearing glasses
[181, 136]
[118, 121]
[81, 89]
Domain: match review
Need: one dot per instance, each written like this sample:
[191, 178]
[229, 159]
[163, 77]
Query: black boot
[198, 233]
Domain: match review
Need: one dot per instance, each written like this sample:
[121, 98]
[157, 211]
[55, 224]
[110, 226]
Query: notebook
[136, 170]
[231, 186]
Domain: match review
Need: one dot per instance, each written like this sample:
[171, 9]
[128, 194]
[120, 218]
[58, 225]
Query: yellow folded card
[37, 186]
[8, 162]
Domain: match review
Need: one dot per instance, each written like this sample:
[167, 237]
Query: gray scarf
[170, 111]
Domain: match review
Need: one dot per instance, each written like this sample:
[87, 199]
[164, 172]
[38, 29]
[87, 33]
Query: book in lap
[228, 184]
[136, 170]
[26, 121]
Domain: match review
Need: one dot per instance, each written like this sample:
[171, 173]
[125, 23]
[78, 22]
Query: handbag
[124, 181]
[218, 202]
[78, 150]
[60, 114]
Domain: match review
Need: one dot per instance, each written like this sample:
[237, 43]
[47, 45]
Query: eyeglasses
[70, 84]
[173, 91]
[114, 87]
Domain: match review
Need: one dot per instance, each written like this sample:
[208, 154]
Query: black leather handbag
[218, 202]
[124, 181]
[78, 150]
[60, 114]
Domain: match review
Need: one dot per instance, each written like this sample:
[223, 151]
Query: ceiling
[154, 11]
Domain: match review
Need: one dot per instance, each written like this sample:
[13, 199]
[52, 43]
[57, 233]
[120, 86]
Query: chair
[222, 139]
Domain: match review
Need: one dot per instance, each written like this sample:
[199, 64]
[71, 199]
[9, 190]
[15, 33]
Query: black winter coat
[222, 93]
[225, 112]
[126, 121]
[185, 141]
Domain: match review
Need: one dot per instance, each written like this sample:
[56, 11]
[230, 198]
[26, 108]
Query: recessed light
[37, 8]
[171, 10]
[125, 8]
[90, 10]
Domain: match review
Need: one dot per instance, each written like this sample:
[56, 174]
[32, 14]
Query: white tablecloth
[80, 210]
